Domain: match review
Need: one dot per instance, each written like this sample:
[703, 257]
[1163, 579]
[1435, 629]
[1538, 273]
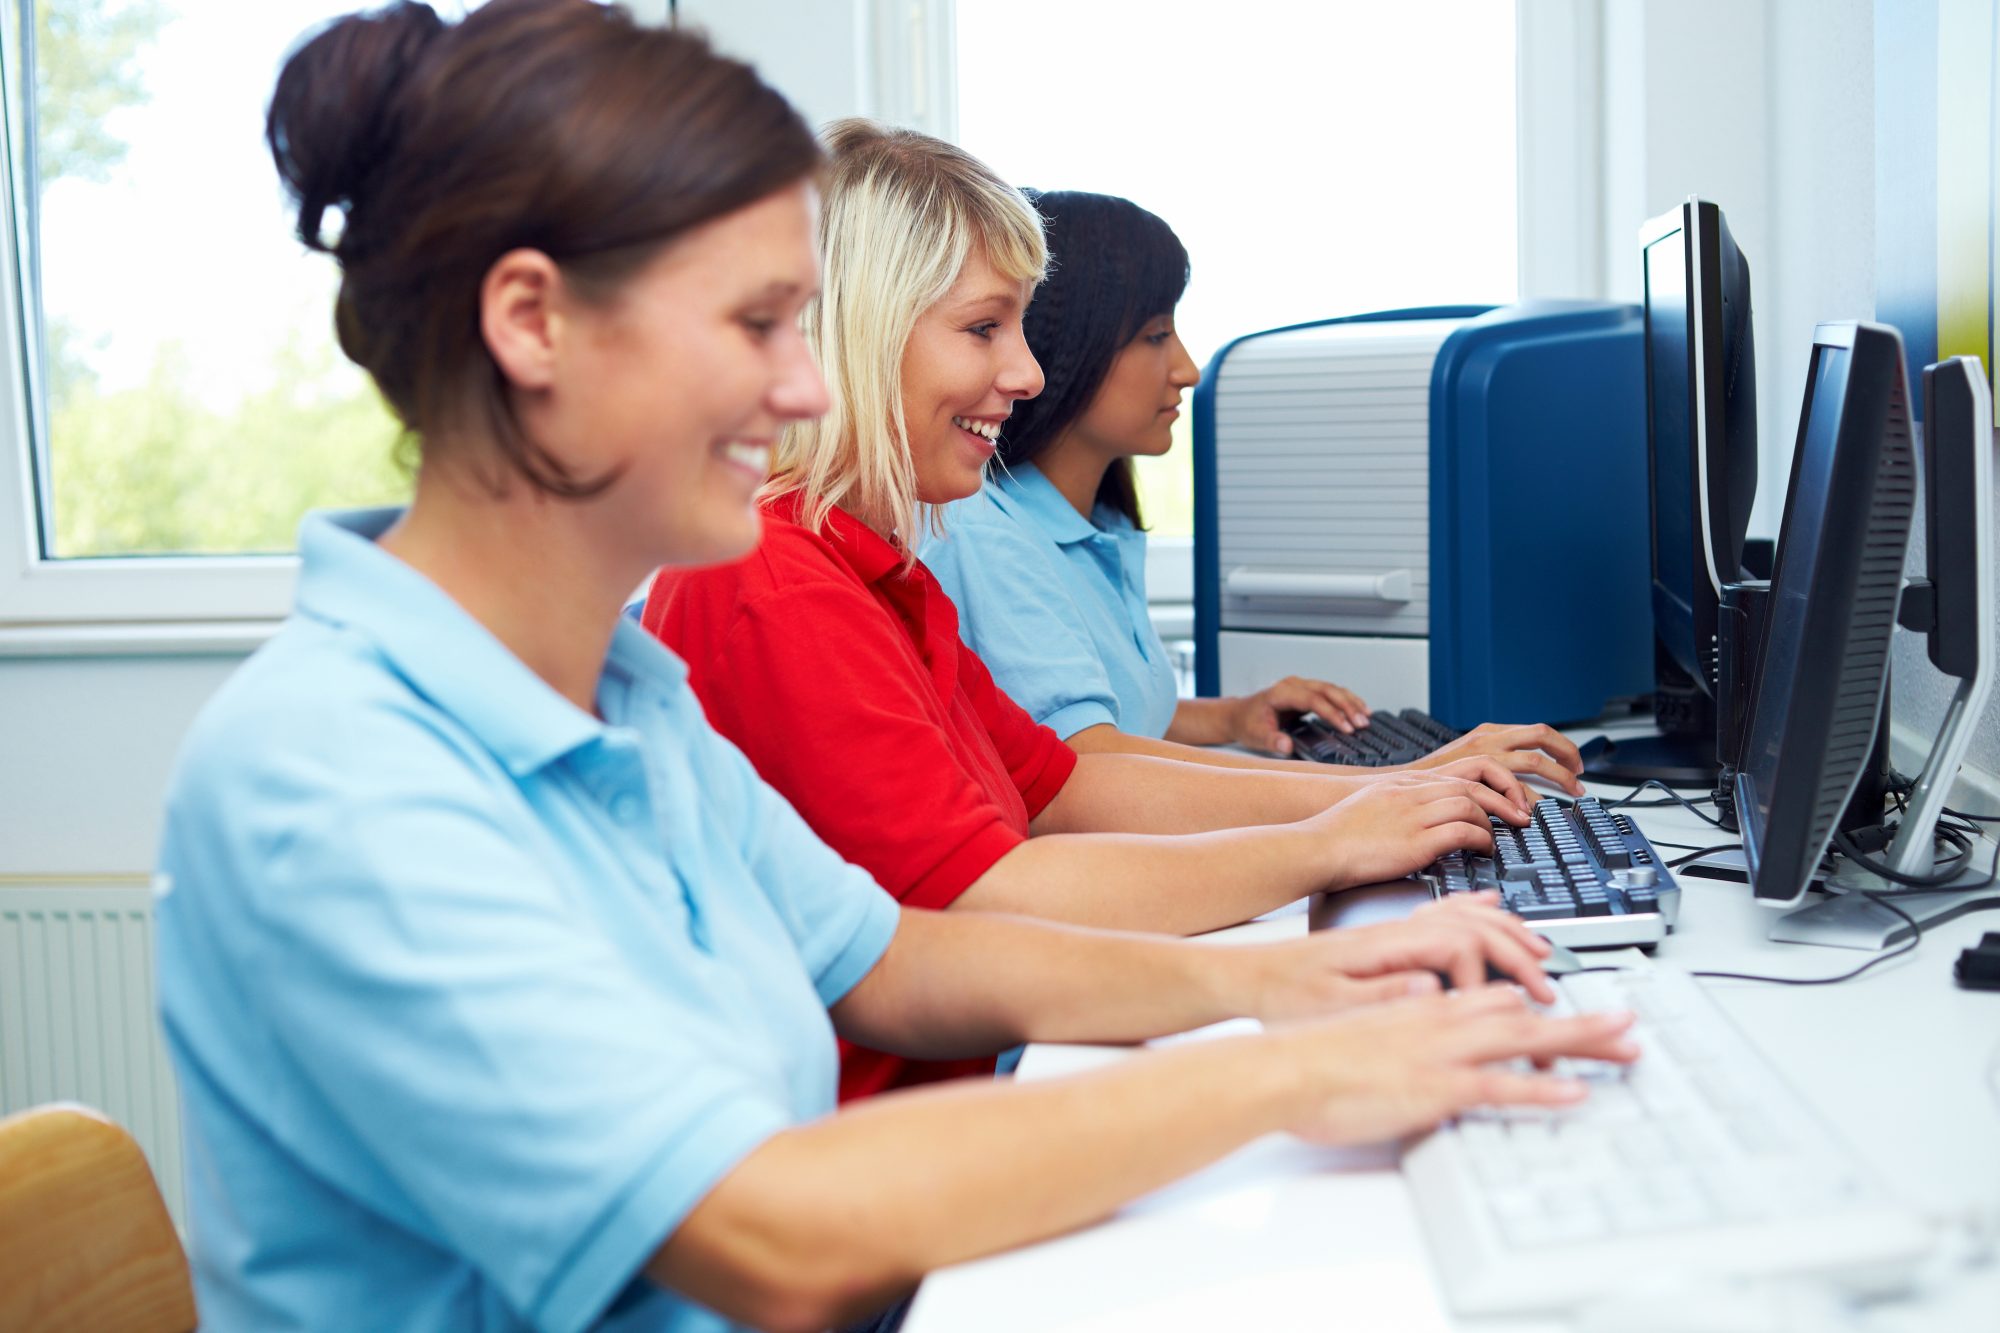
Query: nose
[1020, 374]
[1185, 373]
[799, 391]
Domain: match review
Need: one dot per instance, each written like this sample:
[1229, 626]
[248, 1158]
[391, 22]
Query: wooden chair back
[85, 1242]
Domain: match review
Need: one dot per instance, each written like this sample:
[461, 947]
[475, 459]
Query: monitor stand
[1847, 920]
[1850, 921]
[1678, 761]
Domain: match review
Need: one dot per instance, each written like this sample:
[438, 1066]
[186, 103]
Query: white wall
[86, 744]
[812, 53]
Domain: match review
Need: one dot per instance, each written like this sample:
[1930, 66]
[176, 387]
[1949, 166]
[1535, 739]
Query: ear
[519, 317]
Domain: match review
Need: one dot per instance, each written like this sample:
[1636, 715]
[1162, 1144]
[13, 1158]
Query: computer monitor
[1823, 670]
[1701, 443]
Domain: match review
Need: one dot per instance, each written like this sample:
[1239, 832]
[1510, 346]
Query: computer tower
[1442, 508]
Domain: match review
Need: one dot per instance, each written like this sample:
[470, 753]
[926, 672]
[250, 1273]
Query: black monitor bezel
[1698, 222]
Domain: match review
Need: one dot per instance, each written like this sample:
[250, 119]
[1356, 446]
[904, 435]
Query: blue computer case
[1533, 598]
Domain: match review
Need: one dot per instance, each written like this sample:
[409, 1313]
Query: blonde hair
[902, 213]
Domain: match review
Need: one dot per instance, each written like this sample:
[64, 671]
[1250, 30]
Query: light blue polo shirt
[1055, 605]
[471, 995]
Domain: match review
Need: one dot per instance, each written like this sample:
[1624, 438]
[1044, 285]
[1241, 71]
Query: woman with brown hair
[501, 993]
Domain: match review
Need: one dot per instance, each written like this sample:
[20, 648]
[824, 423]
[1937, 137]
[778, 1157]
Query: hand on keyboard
[1462, 940]
[1538, 750]
[1258, 720]
[1382, 1072]
[1485, 770]
[1401, 822]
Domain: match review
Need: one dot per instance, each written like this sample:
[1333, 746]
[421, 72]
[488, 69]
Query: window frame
[193, 603]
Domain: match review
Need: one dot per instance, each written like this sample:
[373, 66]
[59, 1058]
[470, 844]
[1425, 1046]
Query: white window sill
[219, 638]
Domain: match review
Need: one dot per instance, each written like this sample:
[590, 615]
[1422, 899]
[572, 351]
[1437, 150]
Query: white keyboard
[1696, 1164]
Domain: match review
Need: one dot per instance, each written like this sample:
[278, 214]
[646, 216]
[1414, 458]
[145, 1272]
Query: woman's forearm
[963, 983]
[1118, 792]
[1203, 722]
[1175, 884]
[1107, 739]
[827, 1221]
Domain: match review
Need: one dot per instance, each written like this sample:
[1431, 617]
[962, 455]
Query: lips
[982, 435]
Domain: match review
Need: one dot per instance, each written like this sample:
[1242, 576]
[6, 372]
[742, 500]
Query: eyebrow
[779, 289]
[1004, 299]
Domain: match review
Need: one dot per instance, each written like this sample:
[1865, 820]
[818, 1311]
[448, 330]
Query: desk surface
[1284, 1235]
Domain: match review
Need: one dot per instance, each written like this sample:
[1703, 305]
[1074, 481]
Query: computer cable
[1916, 937]
[1887, 904]
[1699, 852]
[1674, 846]
[1850, 845]
[1672, 797]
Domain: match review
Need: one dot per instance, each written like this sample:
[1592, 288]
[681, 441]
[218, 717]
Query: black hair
[1113, 269]
[557, 125]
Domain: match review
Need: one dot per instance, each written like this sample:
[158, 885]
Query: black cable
[1700, 852]
[1977, 819]
[1916, 937]
[1672, 798]
[1851, 849]
[1882, 901]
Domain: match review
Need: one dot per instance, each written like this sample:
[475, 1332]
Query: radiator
[77, 1021]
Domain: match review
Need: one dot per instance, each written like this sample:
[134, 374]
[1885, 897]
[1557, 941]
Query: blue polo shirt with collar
[1055, 605]
[471, 994]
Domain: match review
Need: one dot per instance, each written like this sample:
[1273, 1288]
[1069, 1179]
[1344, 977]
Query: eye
[984, 331]
[760, 327]
[1160, 339]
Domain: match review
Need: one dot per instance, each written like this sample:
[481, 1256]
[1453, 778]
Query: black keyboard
[1581, 875]
[1389, 738]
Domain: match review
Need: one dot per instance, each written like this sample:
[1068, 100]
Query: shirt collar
[1039, 499]
[869, 554]
[346, 580]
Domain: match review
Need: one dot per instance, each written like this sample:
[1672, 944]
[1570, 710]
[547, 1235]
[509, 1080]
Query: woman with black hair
[1059, 521]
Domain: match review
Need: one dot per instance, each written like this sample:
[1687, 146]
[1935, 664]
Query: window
[183, 395]
[1317, 158]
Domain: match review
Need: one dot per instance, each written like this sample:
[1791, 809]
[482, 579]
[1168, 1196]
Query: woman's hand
[1390, 1069]
[1539, 750]
[1401, 822]
[1458, 938]
[1255, 725]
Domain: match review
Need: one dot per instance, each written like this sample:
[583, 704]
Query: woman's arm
[1539, 751]
[1253, 719]
[827, 1221]
[958, 984]
[1194, 882]
[1117, 792]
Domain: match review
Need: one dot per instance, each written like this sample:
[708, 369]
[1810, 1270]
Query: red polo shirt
[841, 675]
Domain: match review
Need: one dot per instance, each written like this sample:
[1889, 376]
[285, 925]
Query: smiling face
[1134, 410]
[967, 363]
[683, 378]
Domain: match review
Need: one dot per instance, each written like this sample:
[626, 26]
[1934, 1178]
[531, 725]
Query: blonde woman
[832, 658]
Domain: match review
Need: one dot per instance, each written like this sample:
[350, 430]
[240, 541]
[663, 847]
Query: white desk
[1283, 1235]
